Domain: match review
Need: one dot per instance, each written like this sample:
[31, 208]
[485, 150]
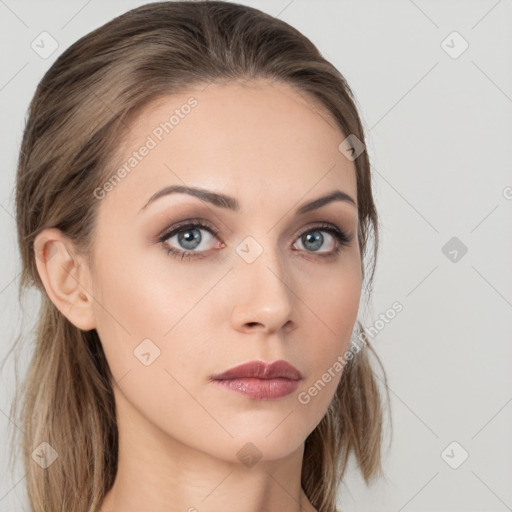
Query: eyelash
[341, 238]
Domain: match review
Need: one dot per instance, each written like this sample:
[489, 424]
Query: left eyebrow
[335, 195]
[229, 202]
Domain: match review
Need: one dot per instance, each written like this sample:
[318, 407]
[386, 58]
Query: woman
[194, 203]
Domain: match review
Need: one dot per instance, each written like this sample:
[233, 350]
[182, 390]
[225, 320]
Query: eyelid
[199, 222]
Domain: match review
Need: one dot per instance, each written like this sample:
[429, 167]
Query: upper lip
[261, 370]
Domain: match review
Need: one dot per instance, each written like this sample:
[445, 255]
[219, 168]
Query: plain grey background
[433, 81]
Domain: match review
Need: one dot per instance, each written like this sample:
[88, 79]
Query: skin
[274, 150]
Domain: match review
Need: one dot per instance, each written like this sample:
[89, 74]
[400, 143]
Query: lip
[260, 370]
[260, 380]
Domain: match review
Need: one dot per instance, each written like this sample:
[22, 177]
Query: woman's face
[251, 286]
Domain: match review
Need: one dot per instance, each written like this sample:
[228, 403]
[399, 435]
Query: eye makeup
[340, 237]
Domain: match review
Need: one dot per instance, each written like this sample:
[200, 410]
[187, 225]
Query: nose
[264, 297]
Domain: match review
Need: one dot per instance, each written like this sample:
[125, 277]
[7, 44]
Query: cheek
[336, 304]
[329, 332]
[132, 305]
[141, 292]
[144, 305]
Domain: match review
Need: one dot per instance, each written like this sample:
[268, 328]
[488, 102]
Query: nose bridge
[264, 295]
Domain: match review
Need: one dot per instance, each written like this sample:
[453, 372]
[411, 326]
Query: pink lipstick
[260, 380]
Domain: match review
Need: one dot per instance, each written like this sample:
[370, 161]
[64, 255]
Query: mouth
[260, 380]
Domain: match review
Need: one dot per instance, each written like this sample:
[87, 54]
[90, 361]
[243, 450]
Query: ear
[66, 277]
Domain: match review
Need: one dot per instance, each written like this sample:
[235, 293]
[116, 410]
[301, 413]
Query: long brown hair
[77, 118]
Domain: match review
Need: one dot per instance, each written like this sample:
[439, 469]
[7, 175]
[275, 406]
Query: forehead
[258, 140]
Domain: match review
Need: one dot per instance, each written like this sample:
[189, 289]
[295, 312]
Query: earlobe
[65, 276]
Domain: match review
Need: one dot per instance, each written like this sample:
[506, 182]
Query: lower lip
[262, 389]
